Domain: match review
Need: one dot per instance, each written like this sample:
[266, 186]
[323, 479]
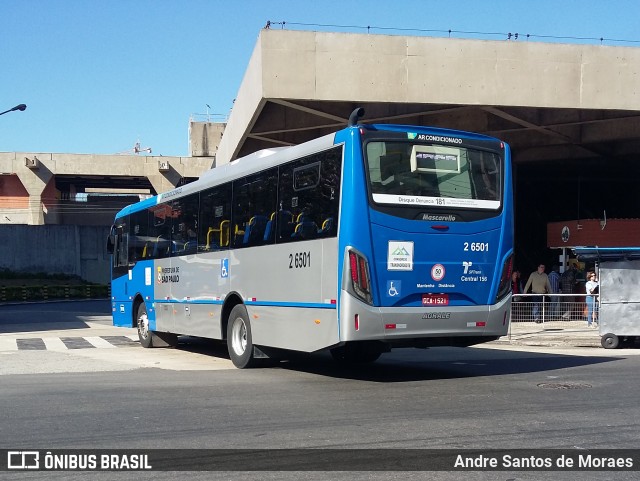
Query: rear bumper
[397, 324]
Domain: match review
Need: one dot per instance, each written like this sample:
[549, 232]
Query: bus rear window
[406, 173]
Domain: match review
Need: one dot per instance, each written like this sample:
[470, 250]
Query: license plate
[435, 299]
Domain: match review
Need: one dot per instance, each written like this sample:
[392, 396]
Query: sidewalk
[553, 334]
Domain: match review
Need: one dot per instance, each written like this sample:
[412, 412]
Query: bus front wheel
[149, 338]
[239, 340]
[142, 321]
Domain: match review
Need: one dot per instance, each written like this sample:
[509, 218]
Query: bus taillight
[505, 278]
[359, 268]
[353, 261]
[363, 274]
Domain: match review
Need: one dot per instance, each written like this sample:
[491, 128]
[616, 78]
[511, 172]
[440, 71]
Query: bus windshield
[429, 174]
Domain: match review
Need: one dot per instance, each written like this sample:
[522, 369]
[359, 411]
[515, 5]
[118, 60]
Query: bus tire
[150, 338]
[610, 341]
[239, 342]
[142, 322]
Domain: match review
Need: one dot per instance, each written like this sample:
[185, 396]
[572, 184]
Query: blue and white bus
[364, 240]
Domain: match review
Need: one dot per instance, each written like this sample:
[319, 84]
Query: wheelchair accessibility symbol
[224, 268]
[393, 288]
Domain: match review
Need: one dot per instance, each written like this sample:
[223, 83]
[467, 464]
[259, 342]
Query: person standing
[539, 283]
[554, 282]
[592, 287]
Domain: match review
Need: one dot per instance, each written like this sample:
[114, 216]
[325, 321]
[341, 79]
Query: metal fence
[50, 292]
[555, 308]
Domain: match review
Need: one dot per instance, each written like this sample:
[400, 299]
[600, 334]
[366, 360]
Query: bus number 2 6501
[299, 260]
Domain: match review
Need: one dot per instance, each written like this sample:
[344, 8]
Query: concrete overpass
[551, 102]
[39, 188]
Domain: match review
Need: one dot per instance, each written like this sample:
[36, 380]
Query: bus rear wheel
[239, 341]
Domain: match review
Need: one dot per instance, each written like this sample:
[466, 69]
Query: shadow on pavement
[441, 363]
[408, 365]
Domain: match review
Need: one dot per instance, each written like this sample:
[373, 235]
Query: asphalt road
[493, 397]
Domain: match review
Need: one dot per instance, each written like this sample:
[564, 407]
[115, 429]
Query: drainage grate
[564, 385]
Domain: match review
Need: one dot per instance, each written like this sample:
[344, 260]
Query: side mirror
[111, 240]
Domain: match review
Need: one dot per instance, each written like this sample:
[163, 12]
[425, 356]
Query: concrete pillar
[164, 181]
[35, 215]
[204, 138]
[34, 179]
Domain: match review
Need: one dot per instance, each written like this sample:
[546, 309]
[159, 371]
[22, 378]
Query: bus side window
[214, 218]
[254, 199]
[159, 230]
[138, 237]
[310, 187]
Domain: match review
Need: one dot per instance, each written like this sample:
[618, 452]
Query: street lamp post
[20, 107]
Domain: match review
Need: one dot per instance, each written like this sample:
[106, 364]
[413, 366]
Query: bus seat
[156, 247]
[246, 232]
[254, 231]
[327, 226]
[305, 230]
[190, 246]
[270, 229]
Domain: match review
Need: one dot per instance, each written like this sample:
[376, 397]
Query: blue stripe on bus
[314, 305]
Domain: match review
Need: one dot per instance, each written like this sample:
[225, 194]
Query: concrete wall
[56, 249]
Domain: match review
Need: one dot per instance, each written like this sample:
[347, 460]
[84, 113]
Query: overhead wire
[450, 32]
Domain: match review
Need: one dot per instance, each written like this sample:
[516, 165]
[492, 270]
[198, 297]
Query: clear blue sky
[98, 75]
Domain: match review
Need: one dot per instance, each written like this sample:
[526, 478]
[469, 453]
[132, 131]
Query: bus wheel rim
[239, 336]
[143, 325]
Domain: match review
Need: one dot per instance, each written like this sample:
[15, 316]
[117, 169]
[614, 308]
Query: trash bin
[619, 306]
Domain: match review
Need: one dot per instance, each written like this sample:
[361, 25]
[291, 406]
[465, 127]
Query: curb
[577, 337]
